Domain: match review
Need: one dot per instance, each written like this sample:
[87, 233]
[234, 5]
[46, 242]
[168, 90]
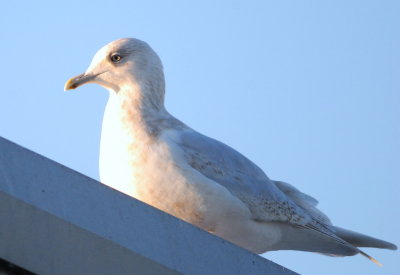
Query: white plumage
[150, 155]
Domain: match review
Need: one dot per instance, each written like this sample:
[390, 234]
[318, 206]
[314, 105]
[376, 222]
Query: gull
[150, 155]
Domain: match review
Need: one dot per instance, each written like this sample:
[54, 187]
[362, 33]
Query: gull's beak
[79, 80]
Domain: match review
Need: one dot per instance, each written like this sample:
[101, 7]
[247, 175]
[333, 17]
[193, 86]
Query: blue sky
[309, 90]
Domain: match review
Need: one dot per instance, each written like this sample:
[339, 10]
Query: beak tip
[72, 83]
[79, 80]
[68, 86]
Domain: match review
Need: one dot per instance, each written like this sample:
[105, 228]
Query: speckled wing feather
[243, 178]
[267, 200]
[304, 201]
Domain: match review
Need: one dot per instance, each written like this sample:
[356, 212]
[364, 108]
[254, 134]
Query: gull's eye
[115, 57]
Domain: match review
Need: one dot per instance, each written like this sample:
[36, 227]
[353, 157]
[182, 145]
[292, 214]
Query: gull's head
[123, 63]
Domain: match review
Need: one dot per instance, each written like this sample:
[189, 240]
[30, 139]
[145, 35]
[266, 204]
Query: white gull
[150, 155]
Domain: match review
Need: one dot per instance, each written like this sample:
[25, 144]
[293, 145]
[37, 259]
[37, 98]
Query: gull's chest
[133, 162]
[150, 170]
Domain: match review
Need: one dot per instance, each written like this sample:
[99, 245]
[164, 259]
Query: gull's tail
[361, 240]
[341, 242]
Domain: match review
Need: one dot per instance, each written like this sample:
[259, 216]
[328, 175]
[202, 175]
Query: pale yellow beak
[77, 81]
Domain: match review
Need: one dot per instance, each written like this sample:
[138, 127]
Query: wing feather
[267, 200]
[303, 200]
[243, 178]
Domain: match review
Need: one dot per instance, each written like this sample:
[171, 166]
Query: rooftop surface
[54, 220]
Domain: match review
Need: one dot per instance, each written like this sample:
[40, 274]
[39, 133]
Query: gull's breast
[155, 172]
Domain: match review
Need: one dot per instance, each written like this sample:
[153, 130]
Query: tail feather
[295, 238]
[361, 240]
[306, 239]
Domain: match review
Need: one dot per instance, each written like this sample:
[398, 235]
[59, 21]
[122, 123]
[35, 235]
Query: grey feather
[361, 240]
[267, 200]
[295, 238]
[303, 200]
[241, 177]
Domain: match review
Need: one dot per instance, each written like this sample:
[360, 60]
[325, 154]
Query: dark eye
[115, 57]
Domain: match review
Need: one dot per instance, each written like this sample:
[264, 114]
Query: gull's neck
[137, 109]
[134, 120]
